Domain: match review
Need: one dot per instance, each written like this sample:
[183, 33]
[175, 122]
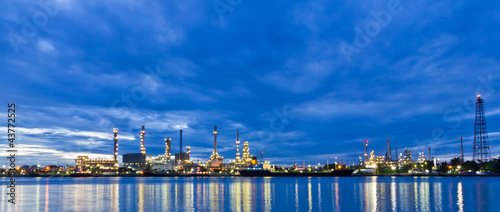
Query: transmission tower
[481, 143]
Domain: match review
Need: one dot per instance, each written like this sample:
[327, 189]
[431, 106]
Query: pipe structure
[143, 149]
[237, 145]
[115, 131]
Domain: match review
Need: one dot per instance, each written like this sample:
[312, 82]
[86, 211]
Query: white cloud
[45, 46]
[67, 133]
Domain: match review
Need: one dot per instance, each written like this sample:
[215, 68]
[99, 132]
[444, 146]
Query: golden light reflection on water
[393, 194]
[267, 194]
[309, 194]
[460, 197]
[438, 200]
[254, 194]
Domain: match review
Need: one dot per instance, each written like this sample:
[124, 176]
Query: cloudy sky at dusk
[301, 80]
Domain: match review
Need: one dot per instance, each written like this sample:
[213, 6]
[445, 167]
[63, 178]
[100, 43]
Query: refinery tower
[481, 151]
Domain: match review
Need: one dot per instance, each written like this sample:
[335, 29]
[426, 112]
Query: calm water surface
[256, 194]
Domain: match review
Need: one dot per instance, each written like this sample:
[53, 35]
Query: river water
[254, 194]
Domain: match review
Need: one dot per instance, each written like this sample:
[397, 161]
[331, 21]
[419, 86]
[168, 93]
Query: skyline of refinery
[289, 94]
[231, 149]
[407, 154]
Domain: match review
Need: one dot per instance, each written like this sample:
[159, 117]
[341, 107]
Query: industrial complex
[169, 163]
[181, 163]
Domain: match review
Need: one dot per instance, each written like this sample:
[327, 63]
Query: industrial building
[215, 160]
[86, 165]
[168, 162]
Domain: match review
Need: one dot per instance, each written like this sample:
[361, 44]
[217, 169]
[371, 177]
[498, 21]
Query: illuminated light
[479, 96]
[449, 167]
[458, 167]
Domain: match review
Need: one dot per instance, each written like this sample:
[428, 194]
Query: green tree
[384, 170]
[470, 165]
[496, 164]
[455, 161]
[443, 167]
[404, 169]
[428, 165]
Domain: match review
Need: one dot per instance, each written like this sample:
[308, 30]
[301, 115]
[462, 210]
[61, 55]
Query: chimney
[143, 148]
[389, 157]
[215, 138]
[429, 153]
[180, 149]
[115, 131]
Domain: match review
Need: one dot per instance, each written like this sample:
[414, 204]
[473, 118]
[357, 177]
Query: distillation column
[237, 146]
[143, 149]
[168, 141]
[115, 131]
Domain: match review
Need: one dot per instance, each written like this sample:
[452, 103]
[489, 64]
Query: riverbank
[233, 175]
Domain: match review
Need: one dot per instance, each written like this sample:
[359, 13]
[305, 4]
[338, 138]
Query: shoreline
[374, 175]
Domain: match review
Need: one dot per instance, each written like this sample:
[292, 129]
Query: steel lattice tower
[481, 143]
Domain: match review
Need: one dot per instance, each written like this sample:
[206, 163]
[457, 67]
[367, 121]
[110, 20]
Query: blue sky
[301, 80]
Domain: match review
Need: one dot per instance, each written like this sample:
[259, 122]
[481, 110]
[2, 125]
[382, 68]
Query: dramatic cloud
[277, 71]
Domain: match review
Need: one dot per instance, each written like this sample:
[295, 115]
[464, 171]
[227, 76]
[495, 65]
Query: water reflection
[255, 194]
[460, 197]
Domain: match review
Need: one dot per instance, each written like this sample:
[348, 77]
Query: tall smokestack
[143, 149]
[366, 150]
[168, 142]
[389, 157]
[180, 149]
[429, 153]
[215, 139]
[237, 145]
[461, 150]
[115, 131]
